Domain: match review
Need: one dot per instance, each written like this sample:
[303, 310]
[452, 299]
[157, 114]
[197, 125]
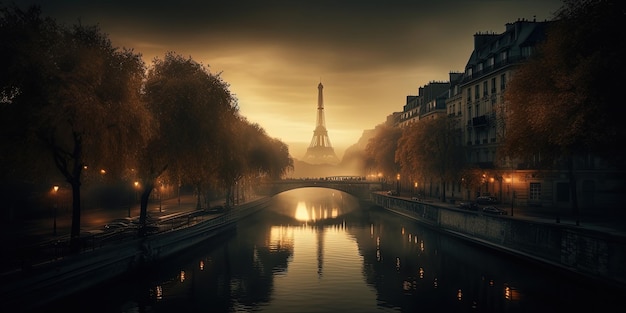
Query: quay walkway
[592, 246]
[48, 272]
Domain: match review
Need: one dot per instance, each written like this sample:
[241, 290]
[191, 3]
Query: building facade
[475, 100]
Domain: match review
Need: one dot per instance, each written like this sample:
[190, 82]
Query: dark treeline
[75, 108]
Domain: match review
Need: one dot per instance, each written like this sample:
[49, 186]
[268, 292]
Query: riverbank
[31, 287]
[597, 252]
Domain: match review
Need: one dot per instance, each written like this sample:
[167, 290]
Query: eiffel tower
[320, 150]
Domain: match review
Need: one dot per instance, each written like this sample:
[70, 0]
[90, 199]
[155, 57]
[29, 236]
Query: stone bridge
[356, 186]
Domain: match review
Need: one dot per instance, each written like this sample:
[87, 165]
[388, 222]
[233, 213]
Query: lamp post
[136, 195]
[398, 184]
[54, 216]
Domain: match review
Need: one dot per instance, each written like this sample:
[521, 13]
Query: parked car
[472, 206]
[392, 193]
[216, 209]
[493, 210]
[117, 225]
[487, 200]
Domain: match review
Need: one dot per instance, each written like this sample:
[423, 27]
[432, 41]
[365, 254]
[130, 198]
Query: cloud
[369, 54]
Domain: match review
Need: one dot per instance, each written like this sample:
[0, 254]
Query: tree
[249, 153]
[193, 109]
[431, 149]
[562, 104]
[67, 91]
[381, 150]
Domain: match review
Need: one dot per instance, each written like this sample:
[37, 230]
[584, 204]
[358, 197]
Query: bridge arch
[358, 188]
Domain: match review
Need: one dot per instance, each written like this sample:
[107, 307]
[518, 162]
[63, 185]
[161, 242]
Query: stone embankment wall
[595, 254]
[53, 280]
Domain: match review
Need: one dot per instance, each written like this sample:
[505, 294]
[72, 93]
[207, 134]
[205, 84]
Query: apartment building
[480, 107]
[430, 101]
[474, 99]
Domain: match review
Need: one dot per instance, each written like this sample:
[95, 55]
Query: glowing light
[301, 212]
[182, 276]
[159, 292]
[280, 238]
[201, 265]
[459, 294]
[406, 285]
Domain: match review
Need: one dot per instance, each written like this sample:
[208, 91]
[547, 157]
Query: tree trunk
[443, 191]
[143, 212]
[199, 197]
[74, 179]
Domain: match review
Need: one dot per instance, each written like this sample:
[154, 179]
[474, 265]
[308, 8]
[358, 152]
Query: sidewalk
[615, 225]
[36, 240]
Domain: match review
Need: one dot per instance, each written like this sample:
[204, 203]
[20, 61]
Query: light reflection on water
[315, 250]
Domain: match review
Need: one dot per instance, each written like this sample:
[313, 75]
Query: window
[485, 91]
[493, 85]
[502, 82]
[535, 191]
[479, 68]
[527, 51]
[490, 62]
[469, 94]
[503, 56]
[477, 92]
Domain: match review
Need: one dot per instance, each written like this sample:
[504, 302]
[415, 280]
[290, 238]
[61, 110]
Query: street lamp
[398, 183]
[56, 202]
[136, 195]
[509, 180]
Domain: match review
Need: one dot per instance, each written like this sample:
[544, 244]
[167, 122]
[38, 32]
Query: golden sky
[369, 55]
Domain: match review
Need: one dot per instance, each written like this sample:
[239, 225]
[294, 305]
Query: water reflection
[318, 251]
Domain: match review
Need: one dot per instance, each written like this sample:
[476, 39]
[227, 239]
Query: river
[319, 250]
